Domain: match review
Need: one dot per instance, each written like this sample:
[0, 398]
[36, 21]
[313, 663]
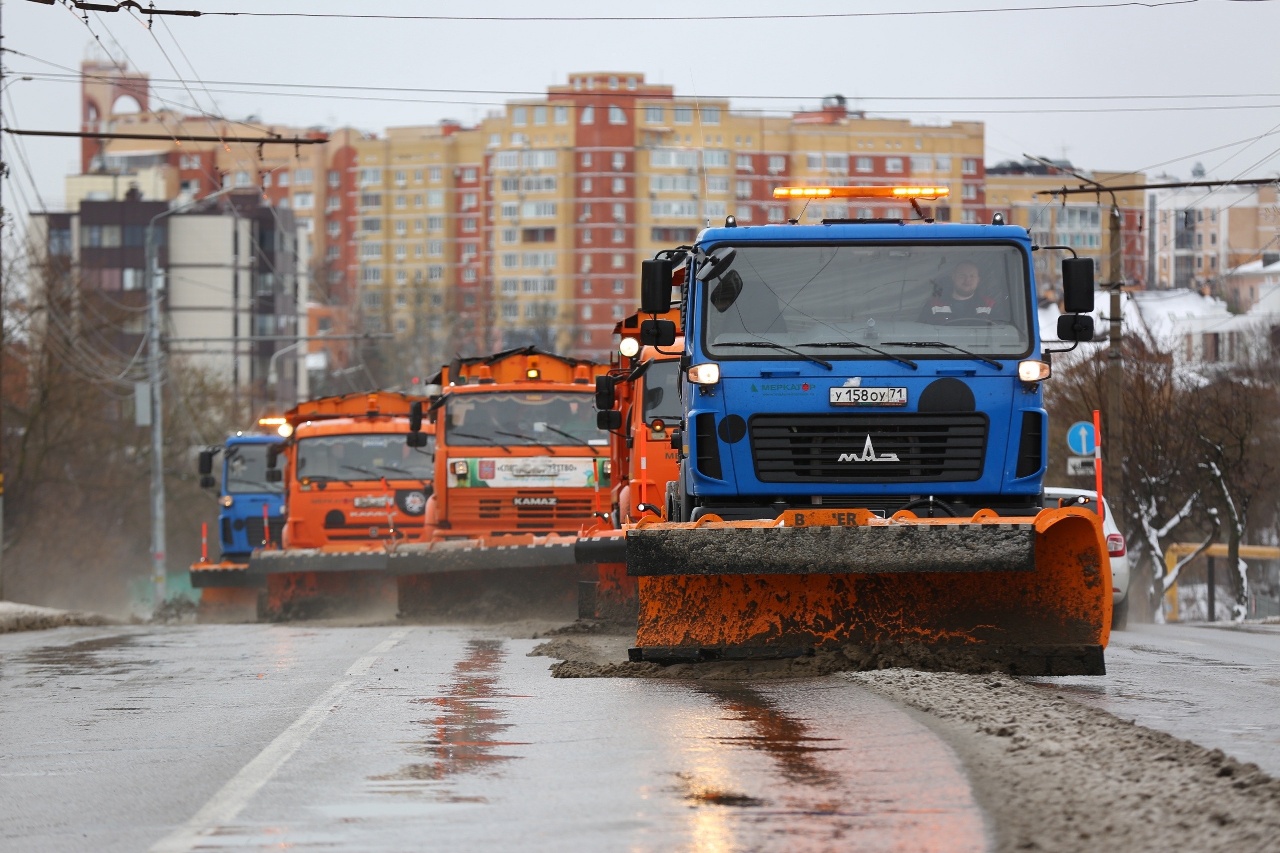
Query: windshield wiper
[243, 481]
[571, 436]
[373, 474]
[856, 345]
[941, 345]
[522, 437]
[487, 439]
[783, 347]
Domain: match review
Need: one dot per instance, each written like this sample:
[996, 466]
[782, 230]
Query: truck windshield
[246, 470]
[661, 393]
[838, 302]
[523, 419]
[363, 457]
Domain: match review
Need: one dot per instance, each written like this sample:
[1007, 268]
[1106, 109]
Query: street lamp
[158, 570]
[272, 378]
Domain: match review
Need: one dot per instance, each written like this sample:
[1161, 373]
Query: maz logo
[868, 455]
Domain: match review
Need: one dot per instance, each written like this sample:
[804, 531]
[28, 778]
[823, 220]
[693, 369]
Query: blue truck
[251, 514]
[863, 446]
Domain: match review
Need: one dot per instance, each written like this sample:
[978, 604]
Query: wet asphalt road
[1216, 684]
[396, 738]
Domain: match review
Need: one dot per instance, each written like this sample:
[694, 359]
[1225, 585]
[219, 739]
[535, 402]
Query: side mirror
[716, 264]
[416, 439]
[1077, 286]
[273, 453]
[415, 417]
[275, 475]
[657, 333]
[655, 286]
[1075, 327]
[605, 398]
[207, 481]
[610, 419]
[204, 466]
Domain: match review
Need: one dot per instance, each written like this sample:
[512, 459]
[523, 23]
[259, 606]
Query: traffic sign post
[1081, 438]
[1079, 466]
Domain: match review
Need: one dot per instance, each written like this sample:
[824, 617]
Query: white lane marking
[235, 795]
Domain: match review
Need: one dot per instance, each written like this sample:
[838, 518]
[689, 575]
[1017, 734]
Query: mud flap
[1025, 595]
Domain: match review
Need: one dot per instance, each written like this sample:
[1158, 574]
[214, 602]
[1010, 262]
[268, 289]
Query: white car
[1055, 497]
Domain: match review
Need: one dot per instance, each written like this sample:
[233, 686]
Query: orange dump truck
[638, 402]
[520, 467]
[355, 490]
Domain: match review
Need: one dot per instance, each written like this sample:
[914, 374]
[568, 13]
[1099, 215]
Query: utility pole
[1113, 445]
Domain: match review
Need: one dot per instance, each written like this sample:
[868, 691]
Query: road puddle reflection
[465, 734]
[839, 771]
[85, 657]
[783, 738]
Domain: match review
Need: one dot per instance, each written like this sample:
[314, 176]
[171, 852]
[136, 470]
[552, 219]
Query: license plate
[847, 396]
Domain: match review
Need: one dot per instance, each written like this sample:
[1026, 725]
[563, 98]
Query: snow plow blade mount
[1029, 596]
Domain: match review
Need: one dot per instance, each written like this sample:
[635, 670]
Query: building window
[560, 115]
[619, 186]
[519, 116]
[893, 164]
[654, 115]
[616, 115]
[683, 115]
[968, 166]
[587, 116]
[710, 115]
[619, 161]
[619, 235]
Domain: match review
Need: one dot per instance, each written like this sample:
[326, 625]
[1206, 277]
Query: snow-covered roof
[1164, 316]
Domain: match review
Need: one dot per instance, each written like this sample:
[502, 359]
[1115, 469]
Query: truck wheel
[1120, 615]
[673, 501]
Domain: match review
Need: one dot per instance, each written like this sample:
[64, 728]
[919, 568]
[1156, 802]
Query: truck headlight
[460, 467]
[704, 374]
[1033, 371]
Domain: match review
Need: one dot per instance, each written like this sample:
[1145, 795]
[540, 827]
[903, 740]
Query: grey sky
[1216, 56]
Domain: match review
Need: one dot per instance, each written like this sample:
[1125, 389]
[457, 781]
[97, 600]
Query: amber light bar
[861, 192]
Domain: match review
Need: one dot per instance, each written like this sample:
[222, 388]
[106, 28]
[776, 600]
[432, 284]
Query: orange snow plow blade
[1030, 596]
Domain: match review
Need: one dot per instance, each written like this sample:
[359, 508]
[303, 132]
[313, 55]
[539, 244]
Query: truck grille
[861, 448]
[253, 530]
[500, 511]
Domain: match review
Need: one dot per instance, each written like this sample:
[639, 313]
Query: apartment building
[529, 227]
[224, 271]
[1200, 236]
[1025, 194]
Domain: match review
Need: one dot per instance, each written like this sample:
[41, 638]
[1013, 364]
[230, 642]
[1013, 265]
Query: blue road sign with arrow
[1081, 439]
